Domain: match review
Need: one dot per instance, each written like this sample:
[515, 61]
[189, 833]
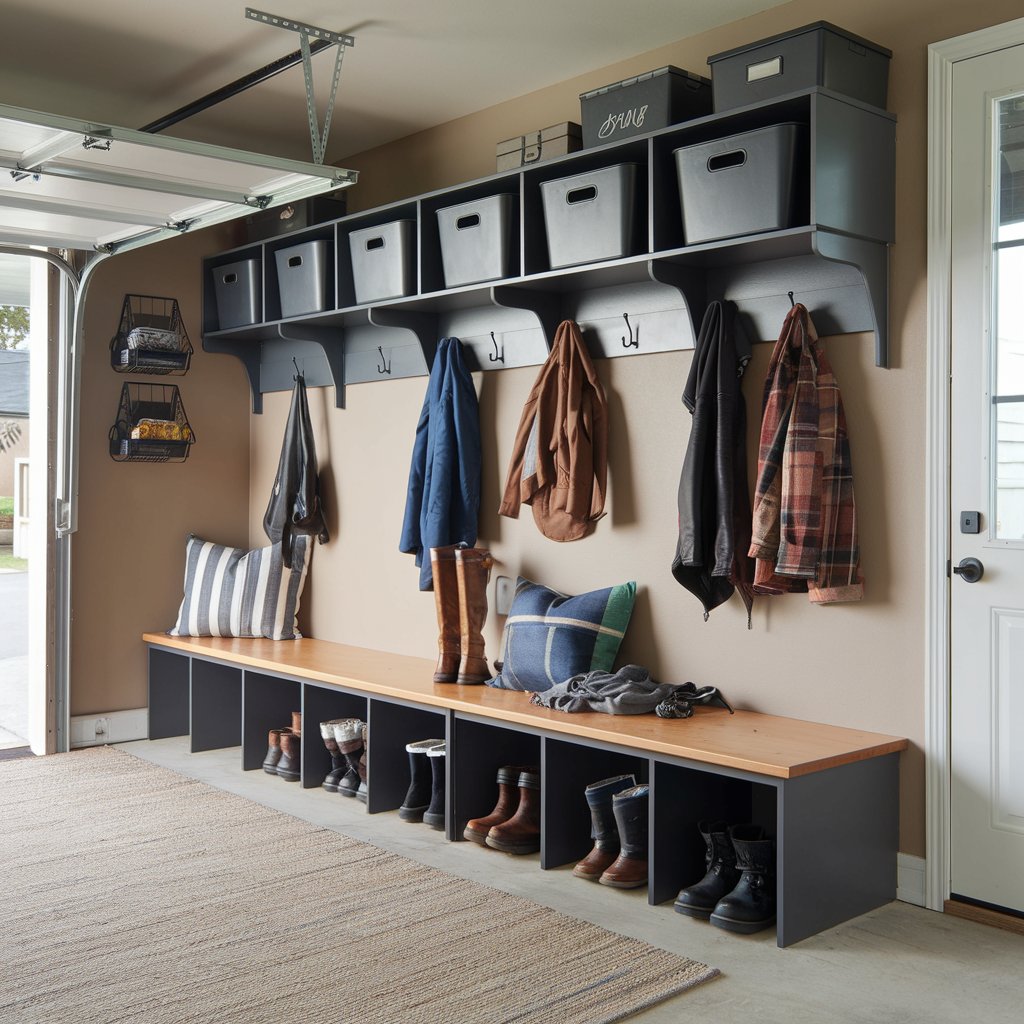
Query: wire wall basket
[151, 425]
[151, 337]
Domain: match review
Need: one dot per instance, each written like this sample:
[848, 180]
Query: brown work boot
[289, 767]
[473, 566]
[521, 833]
[630, 868]
[508, 801]
[273, 751]
[446, 598]
[297, 723]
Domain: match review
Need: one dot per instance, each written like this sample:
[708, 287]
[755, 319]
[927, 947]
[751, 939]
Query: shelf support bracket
[691, 285]
[545, 306]
[251, 355]
[330, 339]
[423, 325]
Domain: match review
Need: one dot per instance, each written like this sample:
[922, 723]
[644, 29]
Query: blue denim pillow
[550, 637]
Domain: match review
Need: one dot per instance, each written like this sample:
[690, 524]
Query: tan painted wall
[128, 555]
[857, 665]
[18, 450]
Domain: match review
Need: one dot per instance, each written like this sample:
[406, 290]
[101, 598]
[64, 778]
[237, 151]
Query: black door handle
[970, 570]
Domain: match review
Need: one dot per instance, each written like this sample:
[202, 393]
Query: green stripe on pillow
[613, 626]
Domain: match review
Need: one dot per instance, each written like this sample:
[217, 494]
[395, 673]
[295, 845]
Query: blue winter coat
[443, 503]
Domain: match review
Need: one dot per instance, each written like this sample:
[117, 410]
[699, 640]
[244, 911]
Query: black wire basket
[151, 425]
[151, 337]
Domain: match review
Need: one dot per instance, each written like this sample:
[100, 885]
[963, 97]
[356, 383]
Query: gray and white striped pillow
[234, 592]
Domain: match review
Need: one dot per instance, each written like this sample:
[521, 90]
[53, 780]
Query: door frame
[942, 56]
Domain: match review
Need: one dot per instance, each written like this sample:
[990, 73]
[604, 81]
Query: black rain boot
[338, 763]
[603, 829]
[417, 798]
[349, 737]
[434, 814]
[751, 904]
[699, 899]
[629, 870]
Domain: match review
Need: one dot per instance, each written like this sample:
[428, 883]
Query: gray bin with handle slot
[476, 240]
[745, 184]
[590, 216]
[236, 287]
[302, 278]
[383, 261]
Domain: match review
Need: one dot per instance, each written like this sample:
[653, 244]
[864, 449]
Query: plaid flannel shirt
[805, 517]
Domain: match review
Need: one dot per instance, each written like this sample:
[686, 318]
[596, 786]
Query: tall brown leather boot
[446, 598]
[508, 800]
[521, 833]
[473, 566]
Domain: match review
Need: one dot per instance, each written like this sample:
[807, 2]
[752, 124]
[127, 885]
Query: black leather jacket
[295, 505]
[714, 503]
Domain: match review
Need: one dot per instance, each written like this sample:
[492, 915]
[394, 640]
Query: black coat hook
[298, 372]
[791, 302]
[498, 355]
[385, 366]
[634, 342]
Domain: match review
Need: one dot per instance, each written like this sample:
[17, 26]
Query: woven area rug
[134, 894]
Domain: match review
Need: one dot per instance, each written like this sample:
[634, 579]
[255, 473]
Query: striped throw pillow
[550, 637]
[234, 592]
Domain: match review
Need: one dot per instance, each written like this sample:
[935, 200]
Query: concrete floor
[897, 964]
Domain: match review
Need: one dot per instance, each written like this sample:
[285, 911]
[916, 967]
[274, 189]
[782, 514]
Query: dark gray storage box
[531, 148]
[590, 216]
[744, 184]
[384, 261]
[476, 240]
[818, 54]
[303, 213]
[643, 104]
[236, 287]
[302, 278]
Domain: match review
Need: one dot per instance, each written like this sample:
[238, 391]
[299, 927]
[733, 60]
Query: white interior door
[987, 481]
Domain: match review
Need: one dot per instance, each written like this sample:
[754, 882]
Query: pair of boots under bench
[514, 824]
[425, 798]
[619, 817]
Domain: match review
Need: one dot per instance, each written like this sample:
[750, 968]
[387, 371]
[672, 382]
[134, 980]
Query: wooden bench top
[765, 744]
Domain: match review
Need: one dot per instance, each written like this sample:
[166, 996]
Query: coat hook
[791, 302]
[385, 367]
[497, 356]
[295, 363]
[633, 342]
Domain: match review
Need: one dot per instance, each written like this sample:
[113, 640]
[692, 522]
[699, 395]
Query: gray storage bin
[643, 104]
[744, 184]
[236, 287]
[302, 278]
[476, 240]
[384, 261]
[818, 54]
[590, 216]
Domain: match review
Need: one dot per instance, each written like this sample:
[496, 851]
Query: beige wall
[18, 450]
[128, 555]
[859, 665]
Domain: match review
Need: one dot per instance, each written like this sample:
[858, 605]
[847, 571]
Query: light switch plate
[504, 591]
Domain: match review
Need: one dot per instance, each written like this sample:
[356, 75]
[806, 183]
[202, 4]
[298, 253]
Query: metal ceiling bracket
[317, 137]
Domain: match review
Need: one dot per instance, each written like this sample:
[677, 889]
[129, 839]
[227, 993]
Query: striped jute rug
[133, 894]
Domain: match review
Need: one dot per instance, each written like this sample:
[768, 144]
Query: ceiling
[415, 63]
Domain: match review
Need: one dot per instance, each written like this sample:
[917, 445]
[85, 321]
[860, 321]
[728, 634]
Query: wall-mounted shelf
[836, 263]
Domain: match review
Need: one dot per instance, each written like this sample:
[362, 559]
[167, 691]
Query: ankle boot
[751, 904]
[699, 900]
[297, 723]
[473, 567]
[508, 801]
[363, 790]
[446, 598]
[521, 833]
[630, 867]
[273, 751]
[603, 829]
[434, 814]
[417, 799]
[289, 767]
[338, 766]
[349, 737]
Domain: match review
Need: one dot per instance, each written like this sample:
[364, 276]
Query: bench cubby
[828, 796]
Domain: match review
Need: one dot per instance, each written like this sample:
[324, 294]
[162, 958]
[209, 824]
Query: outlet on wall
[504, 590]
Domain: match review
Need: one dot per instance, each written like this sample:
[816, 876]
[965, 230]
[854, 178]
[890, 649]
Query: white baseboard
[113, 727]
[910, 873]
